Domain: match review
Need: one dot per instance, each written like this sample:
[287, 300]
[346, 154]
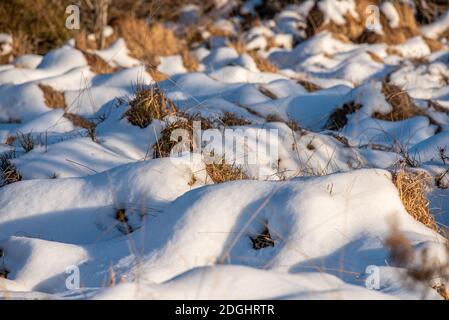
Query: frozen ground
[326, 196]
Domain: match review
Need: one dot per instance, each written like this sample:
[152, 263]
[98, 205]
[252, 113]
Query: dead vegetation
[338, 119]
[223, 172]
[53, 99]
[412, 188]
[401, 103]
[97, 64]
[179, 133]
[309, 86]
[82, 122]
[263, 64]
[230, 120]
[430, 272]
[122, 218]
[8, 171]
[26, 141]
[354, 28]
[148, 104]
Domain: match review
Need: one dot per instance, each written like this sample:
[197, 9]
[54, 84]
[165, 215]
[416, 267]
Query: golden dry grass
[53, 99]
[97, 64]
[402, 104]
[354, 28]
[147, 43]
[189, 61]
[148, 104]
[375, 57]
[413, 194]
[338, 119]
[167, 140]
[224, 172]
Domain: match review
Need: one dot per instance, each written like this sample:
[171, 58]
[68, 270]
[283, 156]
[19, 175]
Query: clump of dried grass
[354, 29]
[169, 137]
[26, 141]
[97, 64]
[413, 194]
[147, 43]
[8, 171]
[229, 119]
[263, 64]
[338, 119]
[267, 93]
[224, 172]
[429, 273]
[122, 218]
[155, 74]
[309, 86]
[401, 103]
[375, 57]
[434, 45]
[148, 104]
[82, 122]
[189, 61]
[53, 99]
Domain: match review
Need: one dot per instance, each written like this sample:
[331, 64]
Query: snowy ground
[326, 196]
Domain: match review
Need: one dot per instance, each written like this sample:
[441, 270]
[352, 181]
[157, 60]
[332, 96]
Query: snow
[325, 196]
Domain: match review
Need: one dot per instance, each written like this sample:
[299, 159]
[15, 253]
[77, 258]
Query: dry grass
[229, 120]
[122, 218]
[430, 272]
[189, 61]
[8, 171]
[53, 99]
[400, 101]
[81, 122]
[170, 138]
[147, 43]
[155, 74]
[148, 104]
[97, 64]
[338, 119]
[267, 93]
[84, 43]
[434, 45]
[26, 141]
[42, 21]
[263, 64]
[224, 172]
[413, 194]
[375, 57]
[309, 86]
[354, 28]
[262, 240]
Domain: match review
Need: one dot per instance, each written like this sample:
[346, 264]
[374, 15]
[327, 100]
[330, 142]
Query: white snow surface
[325, 196]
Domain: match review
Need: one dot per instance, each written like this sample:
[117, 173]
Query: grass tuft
[224, 172]
[8, 171]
